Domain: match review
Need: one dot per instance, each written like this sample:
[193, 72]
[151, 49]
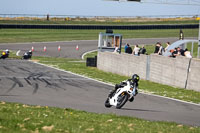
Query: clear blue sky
[93, 8]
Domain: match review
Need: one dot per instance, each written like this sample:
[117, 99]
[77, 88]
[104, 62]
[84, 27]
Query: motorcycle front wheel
[107, 103]
[122, 99]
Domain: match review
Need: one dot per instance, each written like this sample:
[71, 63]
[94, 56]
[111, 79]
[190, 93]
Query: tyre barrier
[99, 27]
[92, 62]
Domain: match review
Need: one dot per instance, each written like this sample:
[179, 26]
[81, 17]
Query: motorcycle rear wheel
[122, 100]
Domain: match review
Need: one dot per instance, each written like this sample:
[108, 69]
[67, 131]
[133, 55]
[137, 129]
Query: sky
[94, 8]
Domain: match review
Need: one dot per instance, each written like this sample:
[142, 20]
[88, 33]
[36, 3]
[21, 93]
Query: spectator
[187, 54]
[136, 50]
[177, 52]
[129, 50]
[108, 45]
[174, 52]
[116, 50]
[161, 49]
[168, 44]
[157, 47]
[180, 51]
[143, 50]
[126, 46]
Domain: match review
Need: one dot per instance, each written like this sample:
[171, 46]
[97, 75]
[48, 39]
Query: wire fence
[48, 17]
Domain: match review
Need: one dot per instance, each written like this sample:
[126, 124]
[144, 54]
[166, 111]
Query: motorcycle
[27, 55]
[4, 54]
[122, 95]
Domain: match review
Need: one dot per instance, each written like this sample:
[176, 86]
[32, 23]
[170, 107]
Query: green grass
[19, 118]
[145, 86]
[47, 35]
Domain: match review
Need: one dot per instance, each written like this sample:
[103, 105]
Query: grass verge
[47, 35]
[25, 118]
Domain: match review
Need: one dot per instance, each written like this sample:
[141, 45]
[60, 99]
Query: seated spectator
[168, 44]
[129, 50]
[187, 54]
[143, 50]
[126, 46]
[161, 49]
[174, 52]
[180, 51]
[157, 47]
[108, 45]
[136, 50]
[116, 50]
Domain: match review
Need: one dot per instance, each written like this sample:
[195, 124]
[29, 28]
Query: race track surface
[29, 83]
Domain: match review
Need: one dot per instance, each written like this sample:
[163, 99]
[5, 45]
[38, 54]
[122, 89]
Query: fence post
[148, 67]
[188, 71]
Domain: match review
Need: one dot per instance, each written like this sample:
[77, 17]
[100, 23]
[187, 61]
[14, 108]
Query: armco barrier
[180, 72]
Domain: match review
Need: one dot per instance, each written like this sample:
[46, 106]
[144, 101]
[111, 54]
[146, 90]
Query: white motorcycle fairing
[127, 89]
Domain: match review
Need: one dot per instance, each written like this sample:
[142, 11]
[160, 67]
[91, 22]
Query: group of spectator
[159, 50]
[136, 51]
[180, 52]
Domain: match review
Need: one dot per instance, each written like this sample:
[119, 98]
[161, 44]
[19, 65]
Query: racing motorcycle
[122, 95]
[4, 54]
[27, 55]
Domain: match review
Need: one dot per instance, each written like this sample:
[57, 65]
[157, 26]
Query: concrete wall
[169, 71]
[180, 72]
[123, 64]
[194, 75]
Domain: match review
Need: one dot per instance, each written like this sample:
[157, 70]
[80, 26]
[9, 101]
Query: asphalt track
[29, 83]
[68, 48]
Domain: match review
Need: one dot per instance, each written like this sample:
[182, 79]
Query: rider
[135, 78]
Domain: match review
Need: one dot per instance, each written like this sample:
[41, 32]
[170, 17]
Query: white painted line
[110, 84]
[82, 57]
[47, 42]
[49, 78]
[18, 52]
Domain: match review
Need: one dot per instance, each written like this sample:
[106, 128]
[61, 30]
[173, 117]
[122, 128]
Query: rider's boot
[136, 92]
[131, 99]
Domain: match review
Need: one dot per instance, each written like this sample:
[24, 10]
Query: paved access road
[68, 48]
[29, 83]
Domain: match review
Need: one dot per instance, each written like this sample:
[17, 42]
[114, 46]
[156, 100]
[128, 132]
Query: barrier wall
[169, 71]
[180, 72]
[194, 75]
[123, 64]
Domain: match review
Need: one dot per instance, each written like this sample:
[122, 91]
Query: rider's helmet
[7, 51]
[135, 78]
[30, 51]
[3, 53]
